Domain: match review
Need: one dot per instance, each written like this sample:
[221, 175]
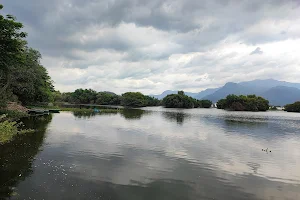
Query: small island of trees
[243, 103]
[180, 100]
[294, 107]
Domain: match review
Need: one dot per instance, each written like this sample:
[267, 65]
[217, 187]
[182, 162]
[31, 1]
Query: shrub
[8, 130]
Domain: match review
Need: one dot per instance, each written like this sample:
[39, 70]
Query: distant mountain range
[279, 93]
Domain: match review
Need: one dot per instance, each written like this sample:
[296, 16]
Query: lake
[155, 153]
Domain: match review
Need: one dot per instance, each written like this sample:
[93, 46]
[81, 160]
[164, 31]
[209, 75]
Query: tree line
[130, 99]
[89, 96]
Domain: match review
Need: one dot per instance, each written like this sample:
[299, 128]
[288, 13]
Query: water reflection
[16, 157]
[211, 154]
[175, 116]
[85, 115]
[133, 113]
[126, 113]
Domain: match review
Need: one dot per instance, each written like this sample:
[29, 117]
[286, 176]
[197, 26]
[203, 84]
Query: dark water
[155, 154]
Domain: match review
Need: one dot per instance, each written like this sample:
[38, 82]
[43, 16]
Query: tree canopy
[22, 77]
[180, 100]
[89, 96]
[294, 107]
[133, 99]
[243, 103]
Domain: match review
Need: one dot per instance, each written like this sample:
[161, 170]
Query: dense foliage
[9, 129]
[294, 107]
[137, 99]
[22, 77]
[180, 100]
[243, 103]
[89, 96]
[108, 98]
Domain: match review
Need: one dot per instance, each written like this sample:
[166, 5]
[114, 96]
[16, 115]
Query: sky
[157, 45]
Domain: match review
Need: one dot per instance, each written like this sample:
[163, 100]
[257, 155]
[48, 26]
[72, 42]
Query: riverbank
[10, 126]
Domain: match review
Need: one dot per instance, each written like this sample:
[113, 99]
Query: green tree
[108, 98]
[12, 44]
[31, 82]
[178, 101]
[294, 107]
[151, 101]
[133, 99]
[21, 75]
[205, 103]
[243, 103]
[84, 96]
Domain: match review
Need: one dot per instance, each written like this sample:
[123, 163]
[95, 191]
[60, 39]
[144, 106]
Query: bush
[8, 130]
[13, 114]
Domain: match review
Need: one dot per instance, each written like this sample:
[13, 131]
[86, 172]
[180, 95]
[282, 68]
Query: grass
[10, 129]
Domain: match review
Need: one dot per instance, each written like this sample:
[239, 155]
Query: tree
[22, 76]
[108, 98]
[294, 107]
[12, 44]
[151, 101]
[205, 103]
[31, 82]
[178, 101]
[133, 99]
[84, 96]
[243, 103]
[181, 93]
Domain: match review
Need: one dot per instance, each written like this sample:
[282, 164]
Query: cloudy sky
[152, 46]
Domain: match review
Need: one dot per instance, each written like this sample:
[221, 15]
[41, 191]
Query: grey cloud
[186, 26]
[257, 51]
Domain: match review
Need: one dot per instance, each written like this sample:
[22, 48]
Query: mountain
[191, 94]
[229, 88]
[206, 92]
[282, 95]
[164, 94]
[278, 93]
[264, 85]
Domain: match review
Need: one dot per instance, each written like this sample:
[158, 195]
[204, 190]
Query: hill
[282, 95]
[229, 88]
[199, 95]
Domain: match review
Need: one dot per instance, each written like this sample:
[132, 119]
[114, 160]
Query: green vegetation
[180, 100]
[22, 77]
[9, 129]
[89, 96]
[243, 103]
[13, 114]
[108, 98]
[133, 99]
[294, 107]
[137, 99]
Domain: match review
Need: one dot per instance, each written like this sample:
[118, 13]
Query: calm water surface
[155, 153]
